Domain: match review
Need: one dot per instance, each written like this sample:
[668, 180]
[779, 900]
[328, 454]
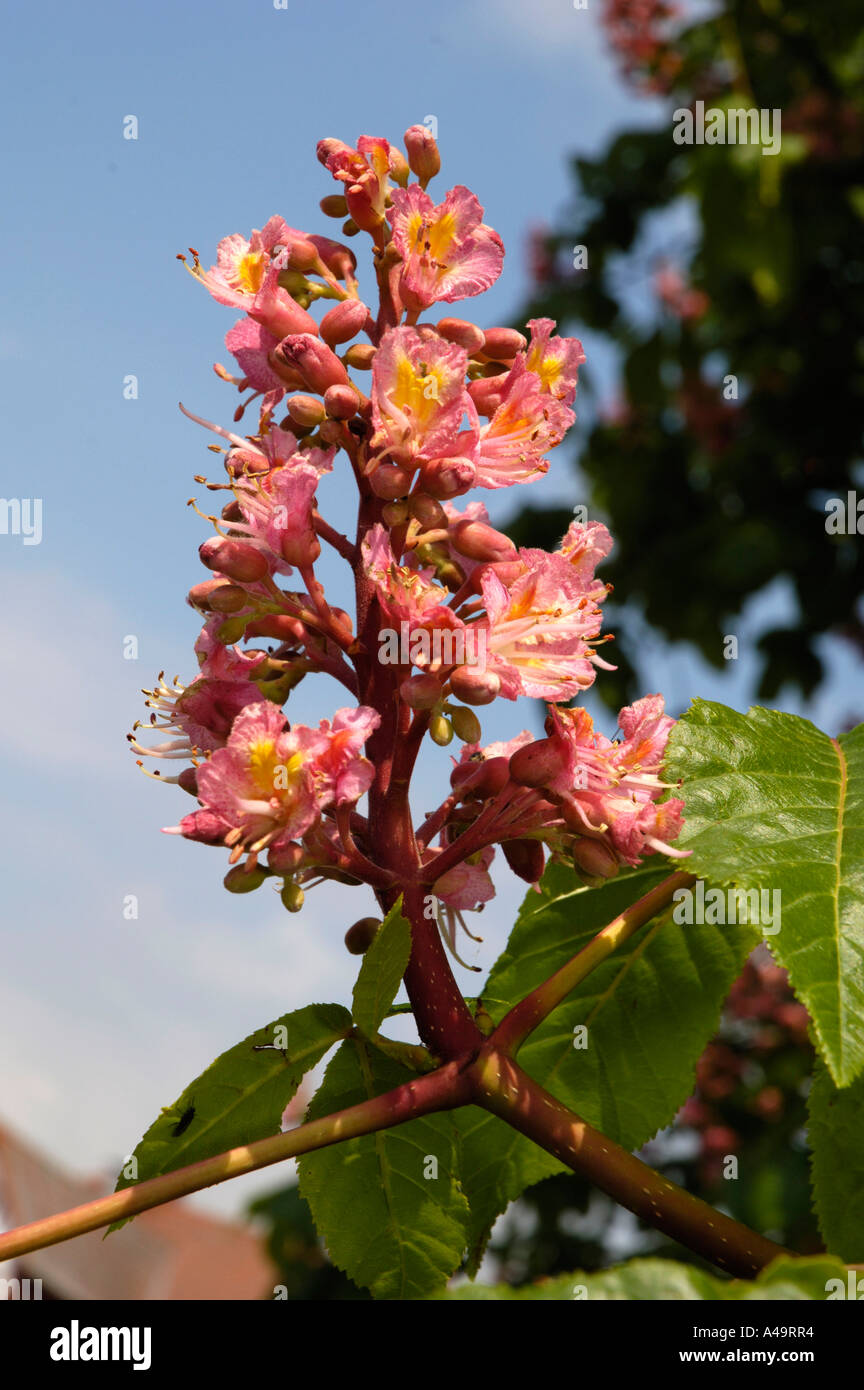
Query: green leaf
[241, 1096]
[836, 1135]
[382, 970]
[785, 1280]
[773, 804]
[388, 1225]
[648, 1011]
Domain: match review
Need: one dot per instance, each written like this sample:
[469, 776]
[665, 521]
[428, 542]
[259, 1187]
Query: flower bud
[188, 780]
[330, 432]
[301, 254]
[461, 331]
[278, 625]
[422, 149]
[427, 511]
[508, 571]
[206, 827]
[473, 686]
[360, 356]
[480, 541]
[301, 550]
[399, 170]
[486, 394]
[502, 344]
[338, 258]
[536, 762]
[360, 198]
[287, 858]
[421, 692]
[313, 360]
[292, 896]
[390, 481]
[341, 402]
[395, 513]
[199, 595]
[349, 227]
[227, 598]
[448, 477]
[492, 777]
[466, 725]
[333, 205]
[235, 559]
[243, 880]
[526, 858]
[359, 938]
[595, 858]
[343, 322]
[440, 730]
[305, 411]
[325, 149]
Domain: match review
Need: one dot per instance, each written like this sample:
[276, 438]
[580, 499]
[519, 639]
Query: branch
[507, 1091]
[440, 1090]
[525, 1016]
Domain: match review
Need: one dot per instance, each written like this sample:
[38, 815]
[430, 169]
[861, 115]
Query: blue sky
[104, 1020]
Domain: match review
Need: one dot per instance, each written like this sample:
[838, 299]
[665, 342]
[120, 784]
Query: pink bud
[461, 331]
[486, 394]
[479, 541]
[199, 595]
[228, 598]
[390, 481]
[422, 149]
[596, 858]
[285, 859]
[421, 692]
[535, 763]
[526, 858]
[502, 344]
[482, 779]
[344, 321]
[301, 550]
[341, 402]
[301, 254]
[473, 686]
[188, 780]
[427, 511]
[278, 625]
[316, 364]
[305, 411]
[399, 170]
[337, 257]
[235, 559]
[283, 316]
[448, 477]
[325, 149]
[205, 827]
[360, 198]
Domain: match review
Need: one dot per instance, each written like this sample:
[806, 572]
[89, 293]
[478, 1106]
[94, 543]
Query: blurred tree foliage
[711, 497]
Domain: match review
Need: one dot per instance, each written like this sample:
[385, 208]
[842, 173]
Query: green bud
[440, 730]
[243, 880]
[292, 896]
[465, 723]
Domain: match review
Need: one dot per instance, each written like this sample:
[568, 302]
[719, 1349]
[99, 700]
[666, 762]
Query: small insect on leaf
[184, 1122]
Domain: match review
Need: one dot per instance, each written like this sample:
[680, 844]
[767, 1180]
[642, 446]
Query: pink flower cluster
[450, 615]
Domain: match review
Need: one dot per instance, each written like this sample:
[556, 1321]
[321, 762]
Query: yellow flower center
[250, 271]
[432, 239]
[418, 390]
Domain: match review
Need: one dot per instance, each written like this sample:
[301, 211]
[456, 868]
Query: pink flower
[364, 169]
[584, 546]
[554, 361]
[252, 344]
[612, 788]
[246, 276]
[528, 422]
[277, 508]
[408, 597]
[270, 782]
[447, 250]
[541, 628]
[418, 394]
[201, 714]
